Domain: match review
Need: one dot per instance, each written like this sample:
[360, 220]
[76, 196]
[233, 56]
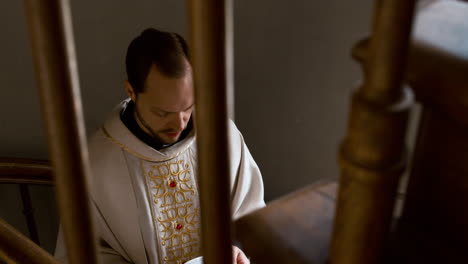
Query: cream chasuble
[146, 201]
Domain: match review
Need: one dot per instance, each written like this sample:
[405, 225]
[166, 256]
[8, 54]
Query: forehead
[166, 93]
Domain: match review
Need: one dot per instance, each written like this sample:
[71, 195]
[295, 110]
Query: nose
[178, 121]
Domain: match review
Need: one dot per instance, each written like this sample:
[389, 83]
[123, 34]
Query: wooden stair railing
[25, 172]
[372, 158]
[432, 228]
[14, 246]
[371, 170]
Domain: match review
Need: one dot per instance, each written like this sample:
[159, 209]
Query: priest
[144, 184]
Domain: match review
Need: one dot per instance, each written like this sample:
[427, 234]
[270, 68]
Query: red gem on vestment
[179, 226]
[172, 184]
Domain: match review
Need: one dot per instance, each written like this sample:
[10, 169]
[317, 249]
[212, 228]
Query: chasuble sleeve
[246, 178]
[106, 254]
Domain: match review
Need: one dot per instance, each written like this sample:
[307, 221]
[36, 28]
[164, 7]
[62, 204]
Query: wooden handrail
[293, 229]
[16, 248]
[25, 171]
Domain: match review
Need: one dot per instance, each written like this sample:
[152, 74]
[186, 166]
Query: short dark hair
[166, 50]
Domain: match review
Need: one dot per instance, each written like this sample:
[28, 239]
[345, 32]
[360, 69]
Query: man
[143, 160]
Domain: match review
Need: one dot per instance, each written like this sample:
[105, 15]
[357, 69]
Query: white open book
[198, 260]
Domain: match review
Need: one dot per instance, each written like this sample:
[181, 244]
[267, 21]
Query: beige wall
[293, 77]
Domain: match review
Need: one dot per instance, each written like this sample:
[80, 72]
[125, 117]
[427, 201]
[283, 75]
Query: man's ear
[130, 91]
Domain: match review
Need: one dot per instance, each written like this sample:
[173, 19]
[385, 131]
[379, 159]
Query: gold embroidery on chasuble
[175, 210]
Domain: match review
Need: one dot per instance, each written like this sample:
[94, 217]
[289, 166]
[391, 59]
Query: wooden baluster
[372, 156]
[28, 212]
[208, 45]
[51, 36]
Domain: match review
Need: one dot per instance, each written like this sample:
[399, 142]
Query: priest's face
[165, 106]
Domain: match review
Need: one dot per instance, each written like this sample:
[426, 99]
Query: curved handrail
[29, 171]
[16, 248]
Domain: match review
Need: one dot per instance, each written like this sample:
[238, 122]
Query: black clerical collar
[129, 121]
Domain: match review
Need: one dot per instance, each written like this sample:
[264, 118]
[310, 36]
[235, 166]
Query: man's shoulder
[234, 134]
[103, 153]
[100, 144]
